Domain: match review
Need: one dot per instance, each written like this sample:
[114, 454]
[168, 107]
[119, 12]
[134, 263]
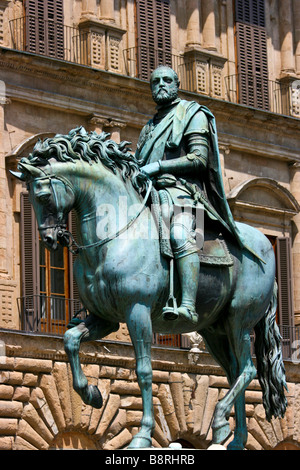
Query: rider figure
[181, 142]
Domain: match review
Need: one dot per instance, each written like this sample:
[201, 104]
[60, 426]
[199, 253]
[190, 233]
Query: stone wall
[40, 410]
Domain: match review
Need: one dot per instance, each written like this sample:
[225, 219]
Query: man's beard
[163, 96]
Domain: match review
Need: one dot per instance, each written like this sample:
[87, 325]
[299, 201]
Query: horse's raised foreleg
[92, 328]
[140, 329]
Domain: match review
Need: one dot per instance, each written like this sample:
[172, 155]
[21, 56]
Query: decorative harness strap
[65, 236]
[113, 236]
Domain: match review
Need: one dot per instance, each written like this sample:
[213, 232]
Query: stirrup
[169, 312]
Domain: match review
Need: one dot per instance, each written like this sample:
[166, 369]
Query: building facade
[66, 63]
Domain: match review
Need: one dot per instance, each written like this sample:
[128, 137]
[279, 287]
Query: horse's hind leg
[140, 329]
[245, 373]
[221, 349]
[92, 328]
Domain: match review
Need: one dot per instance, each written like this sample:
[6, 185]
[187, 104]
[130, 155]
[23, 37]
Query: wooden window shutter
[252, 59]
[252, 66]
[30, 279]
[29, 249]
[153, 35]
[44, 27]
[285, 281]
[73, 286]
[250, 11]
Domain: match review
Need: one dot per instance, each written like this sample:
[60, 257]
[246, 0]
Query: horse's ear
[29, 171]
[18, 174]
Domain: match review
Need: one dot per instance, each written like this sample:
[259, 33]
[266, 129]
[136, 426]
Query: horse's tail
[270, 366]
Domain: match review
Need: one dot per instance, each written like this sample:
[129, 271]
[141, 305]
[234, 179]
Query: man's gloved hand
[151, 169]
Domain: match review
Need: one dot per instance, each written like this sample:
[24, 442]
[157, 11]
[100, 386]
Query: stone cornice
[132, 101]
[103, 352]
[113, 353]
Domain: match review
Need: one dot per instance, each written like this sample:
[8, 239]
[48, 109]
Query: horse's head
[51, 192]
[52, 198]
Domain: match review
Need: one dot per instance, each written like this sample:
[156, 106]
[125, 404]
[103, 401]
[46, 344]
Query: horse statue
[123, 276]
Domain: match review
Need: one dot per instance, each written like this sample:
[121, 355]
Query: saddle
[214, 251]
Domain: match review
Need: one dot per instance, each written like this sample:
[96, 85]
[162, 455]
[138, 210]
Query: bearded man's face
[164, 86]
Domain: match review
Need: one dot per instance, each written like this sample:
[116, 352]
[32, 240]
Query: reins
[63, 234]
[116, 234]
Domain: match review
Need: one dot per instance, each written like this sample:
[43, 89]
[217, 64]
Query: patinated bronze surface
[123, 205]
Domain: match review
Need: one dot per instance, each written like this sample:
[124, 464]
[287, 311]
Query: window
[251, 47]
[49, 294]
[282, 247]
[44, 27]
[153, 35]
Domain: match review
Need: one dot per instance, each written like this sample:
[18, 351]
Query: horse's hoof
[221, 433]
[140, 442]
[95, 397]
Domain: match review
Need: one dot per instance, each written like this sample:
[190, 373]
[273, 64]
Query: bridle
[65, 237]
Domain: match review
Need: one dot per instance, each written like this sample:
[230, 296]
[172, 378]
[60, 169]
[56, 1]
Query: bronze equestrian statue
[125, 277]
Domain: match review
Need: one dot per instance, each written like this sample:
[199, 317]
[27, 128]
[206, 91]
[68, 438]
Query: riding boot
[188, 268]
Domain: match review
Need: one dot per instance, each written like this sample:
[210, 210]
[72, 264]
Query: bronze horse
[122, 276]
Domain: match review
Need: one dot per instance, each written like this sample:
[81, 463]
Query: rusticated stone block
[104, 387]
[160, 376]
[60, 374]
[122, 387]
[176, 386]
[112, 406]
[22, 444]
[26, 431]
[39, 401]
[118, 423]
[160, 418]
[256, 431]
[6, 392]
[31, 416]
[199, 401]
[22, 394]
[160, 437]
[210, 404]
[8, 426]
[33, 365]
[6, 443]
[134, 418]
[107, 371]
[11, 409]
[253, 396]
[48, 386]
[119, 441]
[166, 399]
[30, 380]
[131, 402]
[11, 377]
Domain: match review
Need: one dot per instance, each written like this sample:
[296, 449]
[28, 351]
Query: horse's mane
[92, 148]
